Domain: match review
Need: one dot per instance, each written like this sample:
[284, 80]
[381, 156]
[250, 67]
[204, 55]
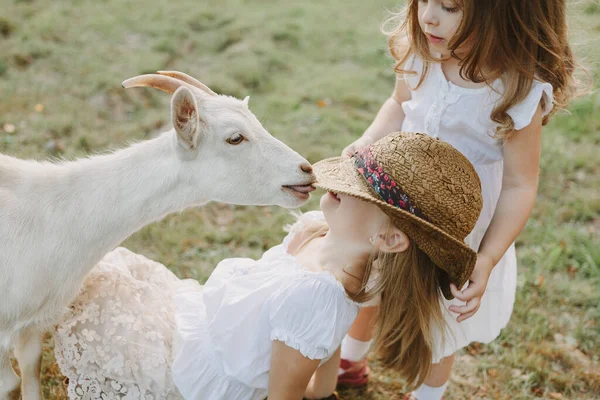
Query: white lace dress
[136, 331]
[461, 117]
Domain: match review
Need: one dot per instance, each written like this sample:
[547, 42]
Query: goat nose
[306, 167]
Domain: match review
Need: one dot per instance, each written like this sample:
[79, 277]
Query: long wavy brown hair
[515, 41]
[409, 308]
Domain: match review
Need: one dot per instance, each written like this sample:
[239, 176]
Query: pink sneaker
[356, 373]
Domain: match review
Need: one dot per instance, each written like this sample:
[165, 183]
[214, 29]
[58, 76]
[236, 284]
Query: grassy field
[317, 73]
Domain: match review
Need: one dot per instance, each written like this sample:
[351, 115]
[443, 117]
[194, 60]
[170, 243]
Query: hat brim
[452, 256]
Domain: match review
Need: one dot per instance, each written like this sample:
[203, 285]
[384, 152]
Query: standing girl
[265, 327]
[484, 76]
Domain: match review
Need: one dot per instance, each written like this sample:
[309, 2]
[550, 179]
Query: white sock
[354, 350]
[425, 392]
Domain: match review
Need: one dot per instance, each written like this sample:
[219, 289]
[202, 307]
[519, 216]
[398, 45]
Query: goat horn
[186, 78]
[161, 82]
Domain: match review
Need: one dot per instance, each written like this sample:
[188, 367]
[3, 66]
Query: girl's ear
[395, 241]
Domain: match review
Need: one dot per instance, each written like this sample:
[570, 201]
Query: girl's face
[439, 21]
[351, 219]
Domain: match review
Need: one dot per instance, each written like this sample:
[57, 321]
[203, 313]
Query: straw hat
[427, 187]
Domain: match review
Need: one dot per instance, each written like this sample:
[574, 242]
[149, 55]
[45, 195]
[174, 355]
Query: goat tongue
[302, 188]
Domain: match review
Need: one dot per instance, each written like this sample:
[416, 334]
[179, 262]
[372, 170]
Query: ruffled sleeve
[523, 113]
[311, 315]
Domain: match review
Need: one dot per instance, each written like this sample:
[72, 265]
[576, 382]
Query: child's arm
[521, 153]
[324, 380]
[290, 372]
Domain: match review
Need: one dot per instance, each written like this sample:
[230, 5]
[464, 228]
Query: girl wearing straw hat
[484, 76]
[402, 206]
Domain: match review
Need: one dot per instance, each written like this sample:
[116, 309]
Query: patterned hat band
[383, 184]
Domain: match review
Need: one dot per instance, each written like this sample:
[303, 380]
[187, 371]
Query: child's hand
[355, 146]
[473, 293]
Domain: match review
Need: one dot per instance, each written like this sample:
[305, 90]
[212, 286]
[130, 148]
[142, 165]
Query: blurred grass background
[317, 73]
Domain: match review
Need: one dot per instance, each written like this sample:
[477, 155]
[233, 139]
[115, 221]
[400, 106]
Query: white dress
[136, 331]
[461, 117]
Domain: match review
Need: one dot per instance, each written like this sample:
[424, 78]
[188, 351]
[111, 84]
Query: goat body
[57, 220]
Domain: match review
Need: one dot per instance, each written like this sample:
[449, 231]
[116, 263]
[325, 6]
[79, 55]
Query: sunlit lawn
[317, 73]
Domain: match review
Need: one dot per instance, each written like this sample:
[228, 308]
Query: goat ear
[184, 115]
[246, 100]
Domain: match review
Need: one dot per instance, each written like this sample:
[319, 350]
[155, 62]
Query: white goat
[57, 220]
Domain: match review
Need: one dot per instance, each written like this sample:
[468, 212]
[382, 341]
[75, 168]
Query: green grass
[317, 73]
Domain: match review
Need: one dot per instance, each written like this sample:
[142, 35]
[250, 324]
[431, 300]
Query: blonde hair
[515, 41]
[409, 308]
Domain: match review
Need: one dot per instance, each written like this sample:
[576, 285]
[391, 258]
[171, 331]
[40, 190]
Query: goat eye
[235, 139]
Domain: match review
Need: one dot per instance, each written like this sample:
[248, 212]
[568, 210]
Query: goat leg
[10, 384]
[29, 355]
